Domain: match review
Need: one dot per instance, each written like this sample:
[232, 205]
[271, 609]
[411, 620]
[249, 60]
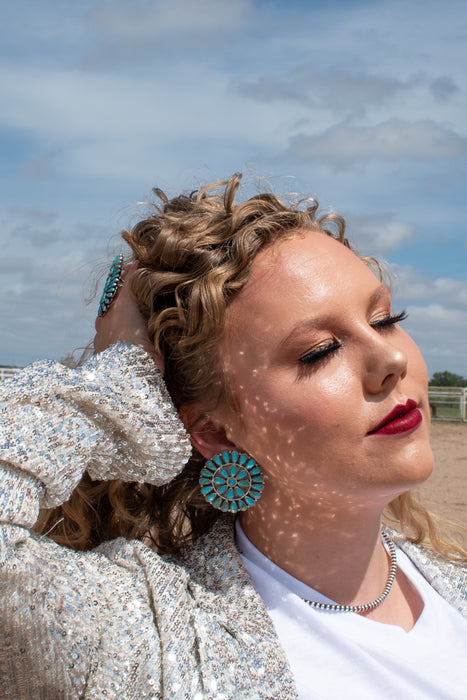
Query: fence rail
[448, 403]
[8, 372]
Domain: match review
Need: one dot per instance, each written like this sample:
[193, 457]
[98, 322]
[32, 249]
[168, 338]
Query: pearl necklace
[335, 607]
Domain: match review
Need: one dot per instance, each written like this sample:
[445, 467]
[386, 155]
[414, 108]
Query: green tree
[447, 379]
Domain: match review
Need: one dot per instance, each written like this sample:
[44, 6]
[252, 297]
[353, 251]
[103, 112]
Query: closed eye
[320, 353]
[389, 321]
[318, 356]
[323, 353]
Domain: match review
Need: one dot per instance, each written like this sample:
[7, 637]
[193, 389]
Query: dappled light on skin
[326, 479]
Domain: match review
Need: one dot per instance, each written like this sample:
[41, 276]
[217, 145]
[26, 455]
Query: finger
[128, 271]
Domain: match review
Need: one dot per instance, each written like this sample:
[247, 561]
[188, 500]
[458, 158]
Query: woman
[296, 383]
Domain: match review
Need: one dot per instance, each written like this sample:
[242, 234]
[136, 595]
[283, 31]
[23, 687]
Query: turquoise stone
[231, 481]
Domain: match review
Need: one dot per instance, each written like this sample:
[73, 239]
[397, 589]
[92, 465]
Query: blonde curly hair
[194, 254]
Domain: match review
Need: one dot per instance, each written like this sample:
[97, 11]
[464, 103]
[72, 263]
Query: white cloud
[339, 90]
[438, 322]
[70, 104]
[395, 139]
[378, 234]
[356, 79]
[441, 333]
[32, 214]
[409, 284]
[443, 88]
[455, 290]
[444, 317]
[43, 165]
[102, 125]
[44, 306]
[47, 267]
[133, 21]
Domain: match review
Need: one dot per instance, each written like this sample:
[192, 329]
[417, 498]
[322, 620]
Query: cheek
[417, 375]
[416, 368]
[279, 415]
[416, 360]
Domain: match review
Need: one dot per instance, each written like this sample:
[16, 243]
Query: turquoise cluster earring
[231, 481]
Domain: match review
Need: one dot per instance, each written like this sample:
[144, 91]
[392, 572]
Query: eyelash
[326, 351]
[390, 320]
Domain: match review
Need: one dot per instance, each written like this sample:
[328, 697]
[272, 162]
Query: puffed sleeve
[114, 418]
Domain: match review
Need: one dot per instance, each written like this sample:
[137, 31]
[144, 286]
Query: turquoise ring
[111, 286]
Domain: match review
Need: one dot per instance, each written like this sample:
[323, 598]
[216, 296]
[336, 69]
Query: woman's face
[316, 363]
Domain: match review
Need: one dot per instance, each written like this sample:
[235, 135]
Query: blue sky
[361, 104]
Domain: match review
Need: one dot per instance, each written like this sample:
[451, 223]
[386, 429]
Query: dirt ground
[445, 492]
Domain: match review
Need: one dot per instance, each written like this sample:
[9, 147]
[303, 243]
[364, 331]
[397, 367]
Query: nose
[385, 364]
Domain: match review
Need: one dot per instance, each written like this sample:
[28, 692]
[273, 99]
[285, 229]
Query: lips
[402, 418]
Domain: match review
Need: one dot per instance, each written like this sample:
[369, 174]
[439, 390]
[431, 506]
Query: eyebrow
[312, 324]
[379, 292]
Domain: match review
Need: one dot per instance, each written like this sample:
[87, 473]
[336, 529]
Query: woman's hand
[124, 322]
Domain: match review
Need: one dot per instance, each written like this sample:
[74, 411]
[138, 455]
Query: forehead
[311, 274]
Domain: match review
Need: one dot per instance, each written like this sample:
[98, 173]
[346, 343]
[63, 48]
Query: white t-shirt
[344, 655]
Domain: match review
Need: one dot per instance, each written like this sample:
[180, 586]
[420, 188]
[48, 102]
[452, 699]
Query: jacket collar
[448, 578]
[222, 587]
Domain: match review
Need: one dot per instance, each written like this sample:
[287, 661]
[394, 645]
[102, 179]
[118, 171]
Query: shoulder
[448, 578]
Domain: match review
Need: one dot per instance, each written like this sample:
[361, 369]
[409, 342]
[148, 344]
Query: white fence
[8, 372]
[448, 403]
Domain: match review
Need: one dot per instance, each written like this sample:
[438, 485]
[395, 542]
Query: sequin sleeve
[68, 620]
[112, 416]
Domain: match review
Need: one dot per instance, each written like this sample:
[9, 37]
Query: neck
[337, 551]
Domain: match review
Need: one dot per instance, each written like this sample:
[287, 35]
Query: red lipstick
[402, 418]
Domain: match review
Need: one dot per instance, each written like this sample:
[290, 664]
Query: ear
[206, 437]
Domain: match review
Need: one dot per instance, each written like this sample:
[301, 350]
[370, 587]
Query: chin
[416, 459]
[417, 469]
[422, 459]
[410, 471]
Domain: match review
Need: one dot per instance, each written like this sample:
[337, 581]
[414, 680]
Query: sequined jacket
[121, 621]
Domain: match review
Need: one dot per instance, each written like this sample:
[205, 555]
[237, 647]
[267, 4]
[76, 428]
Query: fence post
[446, 400]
